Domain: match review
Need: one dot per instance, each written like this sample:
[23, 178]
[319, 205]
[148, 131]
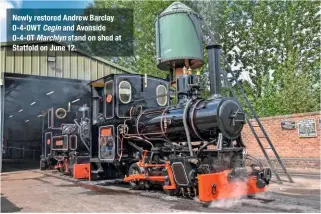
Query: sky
[7, 4]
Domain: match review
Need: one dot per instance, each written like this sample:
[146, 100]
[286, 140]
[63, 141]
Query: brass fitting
[189, 70]
[189, 191]
[184, 70]
[195, 191]
[183, 191]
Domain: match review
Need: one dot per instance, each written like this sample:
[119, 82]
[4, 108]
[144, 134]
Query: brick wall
[295, 152]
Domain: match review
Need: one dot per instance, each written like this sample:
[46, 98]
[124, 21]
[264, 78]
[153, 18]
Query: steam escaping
[226, 203]
[237, 196]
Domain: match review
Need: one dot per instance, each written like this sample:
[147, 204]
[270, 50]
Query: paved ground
[34, 191]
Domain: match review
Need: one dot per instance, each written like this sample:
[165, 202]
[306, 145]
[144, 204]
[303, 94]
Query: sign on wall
[288, 125]
[307, 128]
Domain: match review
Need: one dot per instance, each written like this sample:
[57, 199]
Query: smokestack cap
[177, 7]
[214, 46]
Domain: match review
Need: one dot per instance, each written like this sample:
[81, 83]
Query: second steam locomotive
[66, 139]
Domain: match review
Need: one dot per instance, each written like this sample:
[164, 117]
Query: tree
[258, 37]
[290, 89]
[272, 47]
[145, 13]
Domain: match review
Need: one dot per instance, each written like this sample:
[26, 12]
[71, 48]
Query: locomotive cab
[114, 95]
[116, 98]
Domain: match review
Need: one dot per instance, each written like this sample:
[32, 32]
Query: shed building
[34, 81]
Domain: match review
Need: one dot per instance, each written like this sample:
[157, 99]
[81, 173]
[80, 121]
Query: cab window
[125, 92]
[109, 107]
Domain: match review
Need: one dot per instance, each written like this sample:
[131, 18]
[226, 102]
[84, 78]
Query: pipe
[160, 139]
[80, 134]
[95, 106]
[141, 139]
[188, 136]
[135, 146]
[43, 147]
[214, 70]
[203, 147]
[121, 153]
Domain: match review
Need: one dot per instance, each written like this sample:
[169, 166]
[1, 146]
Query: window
[50, 118]
[106, 143]
[48, 136]
[161, 90]
[60, 142]
[73, 142]
[125, 92]
[109, 101]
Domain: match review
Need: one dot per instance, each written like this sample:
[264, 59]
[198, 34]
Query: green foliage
[290, 91]
[145, 13]
[276, 43]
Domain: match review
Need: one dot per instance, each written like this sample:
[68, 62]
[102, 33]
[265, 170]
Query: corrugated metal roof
[64, 64]
[33, 94]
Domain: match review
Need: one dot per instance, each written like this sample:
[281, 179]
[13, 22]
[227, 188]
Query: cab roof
[101, 81]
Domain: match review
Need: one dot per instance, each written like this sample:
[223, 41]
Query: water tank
[177, 38]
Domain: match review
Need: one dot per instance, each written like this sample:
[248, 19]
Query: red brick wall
[294, 151]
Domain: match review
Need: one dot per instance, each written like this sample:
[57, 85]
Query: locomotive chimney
[214, 70]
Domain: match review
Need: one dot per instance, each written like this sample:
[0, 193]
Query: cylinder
[178, 39]
[206, 118]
